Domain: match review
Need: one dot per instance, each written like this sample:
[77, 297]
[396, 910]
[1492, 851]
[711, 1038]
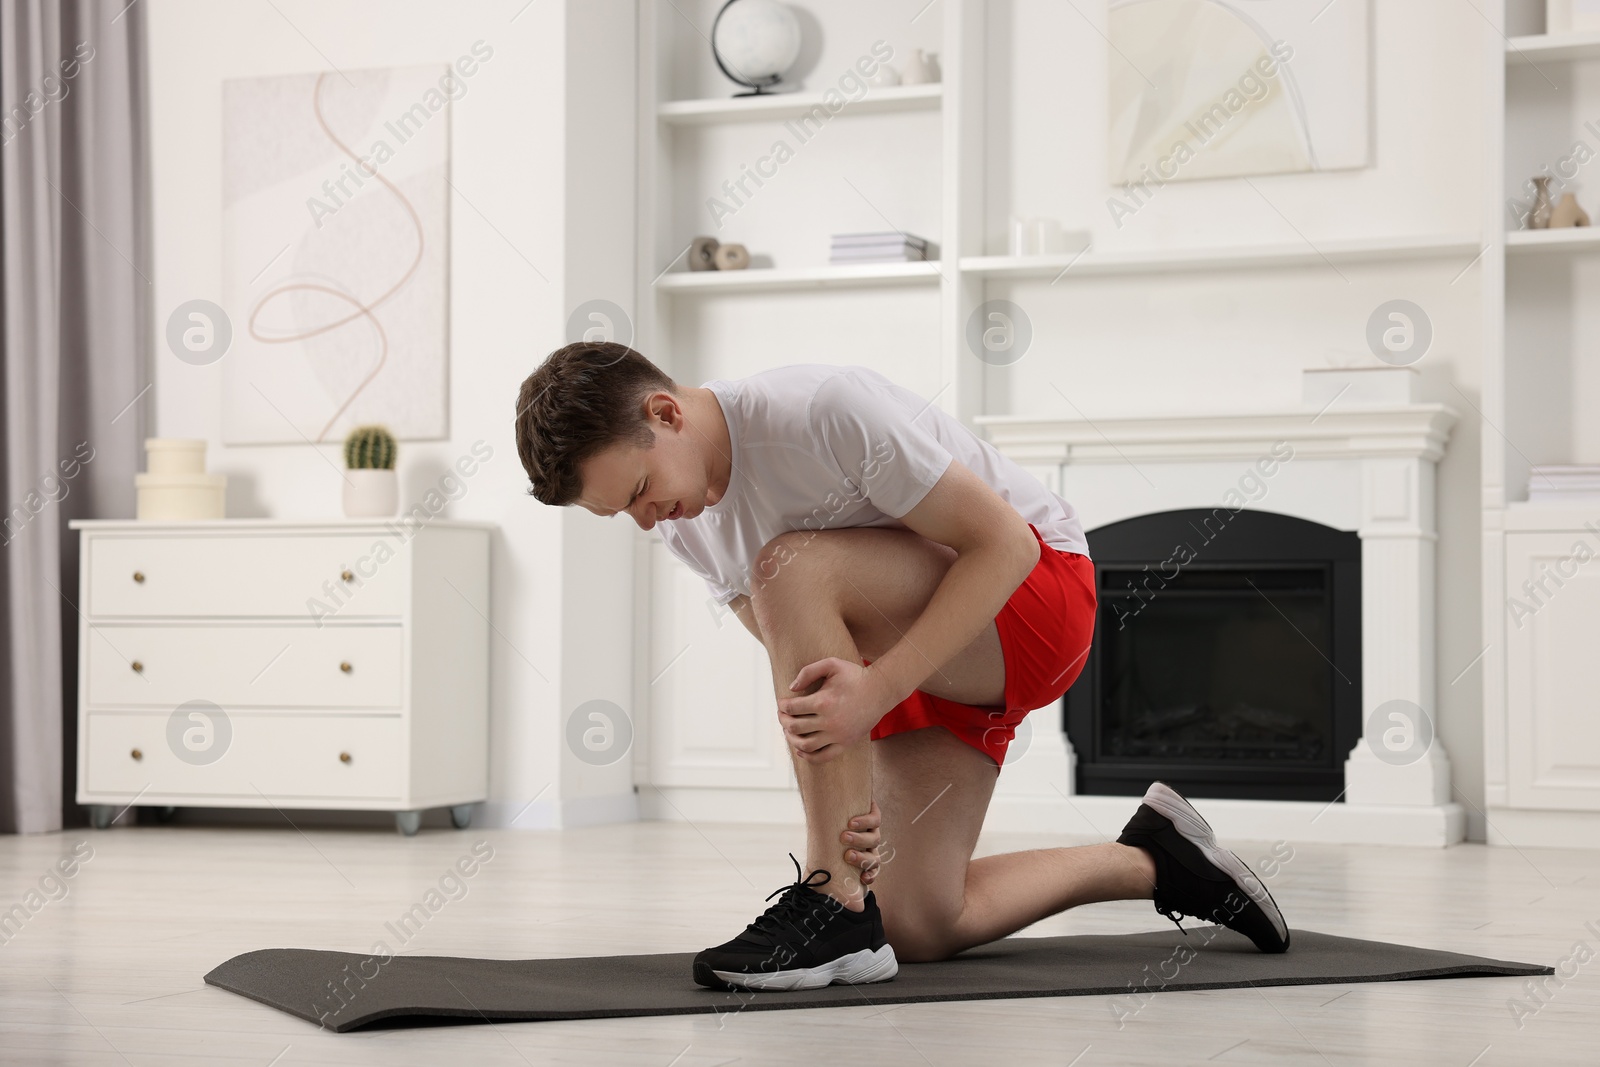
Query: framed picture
[1230, 88]
[335, 254]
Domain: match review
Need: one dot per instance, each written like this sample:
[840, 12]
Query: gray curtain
[74, 333]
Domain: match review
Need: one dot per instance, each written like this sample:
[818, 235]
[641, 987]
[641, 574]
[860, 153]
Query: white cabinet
[713, 716]
[246, 663]
[1553, 669]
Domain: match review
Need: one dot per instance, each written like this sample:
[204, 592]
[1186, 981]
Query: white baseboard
[708, 804]
[1432, 826]
[596, 811]
[1102, 818]
[540, 814]
[1524, 828]
[558, 814]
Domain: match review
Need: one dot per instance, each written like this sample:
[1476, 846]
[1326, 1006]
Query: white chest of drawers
[272, 664]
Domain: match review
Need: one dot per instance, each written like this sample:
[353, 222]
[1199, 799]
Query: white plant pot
[371, 494]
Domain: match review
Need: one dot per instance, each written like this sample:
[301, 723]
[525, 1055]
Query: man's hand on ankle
[861, 839]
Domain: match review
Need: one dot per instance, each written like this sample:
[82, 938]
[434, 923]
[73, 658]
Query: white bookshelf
[1085, 264]
[688, 119]
[1160, 260]
[770, 279]
[1566, 239]
[923, 137]
[1089, 263]
[1533, 49]
[917, 145]
[1541, 760]
[779, 107]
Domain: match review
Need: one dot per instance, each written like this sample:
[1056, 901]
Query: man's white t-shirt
[819, 447]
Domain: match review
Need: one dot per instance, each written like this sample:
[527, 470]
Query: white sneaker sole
[1191, 825]
[867, 965]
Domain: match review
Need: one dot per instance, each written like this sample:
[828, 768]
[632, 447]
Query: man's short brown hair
[582, 399]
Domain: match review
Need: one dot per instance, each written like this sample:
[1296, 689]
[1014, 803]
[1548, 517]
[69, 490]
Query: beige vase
[1568, 213]
[1539, 213]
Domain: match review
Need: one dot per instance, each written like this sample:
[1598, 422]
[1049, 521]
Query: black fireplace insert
[1226, 658]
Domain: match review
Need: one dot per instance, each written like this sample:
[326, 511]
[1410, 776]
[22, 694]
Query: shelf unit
[1567, 239]
[877, 101]
[668, 291]
[1241, 257]
[1541, 375]
[668, 124]
[1089, 263]
[1553, 47]
[769, 279]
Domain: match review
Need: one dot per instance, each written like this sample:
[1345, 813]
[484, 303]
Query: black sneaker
[1199, 878]
[805, 941]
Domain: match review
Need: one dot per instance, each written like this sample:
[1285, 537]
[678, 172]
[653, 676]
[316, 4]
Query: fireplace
[1226, 659]
[1368, 468]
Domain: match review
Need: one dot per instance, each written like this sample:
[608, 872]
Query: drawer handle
[345, 666]
[347, 576]
[344, 757]
[138, 576]
[136, 754]
[138, 668]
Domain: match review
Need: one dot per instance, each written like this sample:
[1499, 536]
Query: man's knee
[784, 556]
[920, 930]
[918, 939]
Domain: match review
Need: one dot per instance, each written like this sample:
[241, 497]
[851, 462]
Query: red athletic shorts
[1045, 631]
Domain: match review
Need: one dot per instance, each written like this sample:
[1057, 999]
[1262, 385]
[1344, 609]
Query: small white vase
[370, 494]
[921, 69]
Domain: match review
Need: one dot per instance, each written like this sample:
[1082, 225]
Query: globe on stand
[755, 42]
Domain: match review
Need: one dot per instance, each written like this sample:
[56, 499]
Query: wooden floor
[111, 972]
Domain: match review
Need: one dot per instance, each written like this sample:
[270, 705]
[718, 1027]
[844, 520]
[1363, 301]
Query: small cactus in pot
[371, 487]
[369, 448]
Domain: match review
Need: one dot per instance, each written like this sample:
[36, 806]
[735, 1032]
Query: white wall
[522, 225]
[597, 607]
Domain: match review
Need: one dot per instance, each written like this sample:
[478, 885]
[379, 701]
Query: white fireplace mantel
[1370, 470]
[1416, 431]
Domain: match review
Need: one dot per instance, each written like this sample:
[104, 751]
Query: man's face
[648, 483]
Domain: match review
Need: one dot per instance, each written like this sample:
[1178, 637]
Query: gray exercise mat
[345, 990]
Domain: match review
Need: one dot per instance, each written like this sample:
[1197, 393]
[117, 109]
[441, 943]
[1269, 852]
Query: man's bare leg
[933, 790]
[798, 628]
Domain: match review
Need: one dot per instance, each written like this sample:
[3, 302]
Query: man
[902, 575]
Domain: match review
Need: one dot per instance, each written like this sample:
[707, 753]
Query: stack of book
[1556, 485]
[891, 247]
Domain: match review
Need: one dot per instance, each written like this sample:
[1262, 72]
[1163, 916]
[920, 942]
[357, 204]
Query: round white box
[180, 497]
[175, 455]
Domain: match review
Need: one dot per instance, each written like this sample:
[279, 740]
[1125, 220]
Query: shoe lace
[1173, 914]
[793, 905]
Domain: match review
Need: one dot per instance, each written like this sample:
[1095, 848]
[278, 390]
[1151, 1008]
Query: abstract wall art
[335, 254]
[1228, 88]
